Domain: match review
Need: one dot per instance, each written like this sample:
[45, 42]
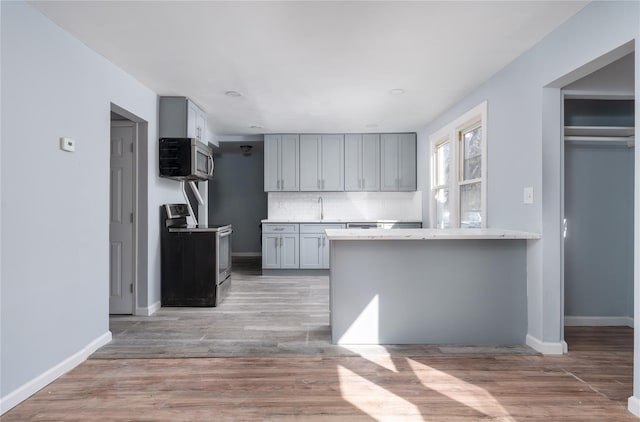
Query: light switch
[67, 144]
[528, 195]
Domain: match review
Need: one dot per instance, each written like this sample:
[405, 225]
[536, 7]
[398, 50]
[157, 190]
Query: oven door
[223, 248]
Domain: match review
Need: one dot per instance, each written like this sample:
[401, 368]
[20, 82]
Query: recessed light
[233, 94]
[255, 127]
[396, 91]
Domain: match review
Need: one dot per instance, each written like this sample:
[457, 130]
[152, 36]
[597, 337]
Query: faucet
[321, 202]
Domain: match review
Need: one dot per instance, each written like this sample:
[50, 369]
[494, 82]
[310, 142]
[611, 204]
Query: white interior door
[121, 258]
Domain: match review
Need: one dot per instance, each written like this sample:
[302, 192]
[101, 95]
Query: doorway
[122, 259]
[598, 197]
[128, 226]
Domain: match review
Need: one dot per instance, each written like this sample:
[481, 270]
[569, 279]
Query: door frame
[140, 212]
[548, 313]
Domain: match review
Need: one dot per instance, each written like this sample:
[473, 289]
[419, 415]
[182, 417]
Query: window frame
[453, 133]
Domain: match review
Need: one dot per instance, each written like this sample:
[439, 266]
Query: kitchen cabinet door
[196, 121]
[362, 163]
[271, 163]
[281, 163]
[398, 162]
[321, 163]
[289, 163]
[310, 174]
[289, 252]
[371, 162]
[353, 163]
[311, 254]
[332, 162]
[325, 252]
[270, 251]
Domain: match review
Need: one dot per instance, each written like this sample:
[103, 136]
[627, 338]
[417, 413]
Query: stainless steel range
[196, 260]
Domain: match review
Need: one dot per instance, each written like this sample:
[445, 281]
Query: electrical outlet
[528, 195]
[67, 144]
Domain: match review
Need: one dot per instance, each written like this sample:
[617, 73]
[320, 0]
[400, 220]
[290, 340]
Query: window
[458, 177]
[441, 183]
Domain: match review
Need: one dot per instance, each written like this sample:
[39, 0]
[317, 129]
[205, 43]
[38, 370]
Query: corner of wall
[546, 348]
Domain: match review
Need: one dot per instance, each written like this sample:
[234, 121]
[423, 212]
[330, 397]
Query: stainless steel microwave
[185, 159]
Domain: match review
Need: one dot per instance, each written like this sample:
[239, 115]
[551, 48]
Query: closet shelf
[623, 132]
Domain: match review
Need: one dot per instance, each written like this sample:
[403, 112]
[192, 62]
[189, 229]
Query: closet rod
[600, 138]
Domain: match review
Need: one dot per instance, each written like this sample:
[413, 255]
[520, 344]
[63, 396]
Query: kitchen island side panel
[428, 291]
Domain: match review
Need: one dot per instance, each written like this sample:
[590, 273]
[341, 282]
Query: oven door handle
[226, 233]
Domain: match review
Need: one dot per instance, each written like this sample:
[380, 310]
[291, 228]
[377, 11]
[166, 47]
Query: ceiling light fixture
[396, 91]
[255, 127]
[233, 94]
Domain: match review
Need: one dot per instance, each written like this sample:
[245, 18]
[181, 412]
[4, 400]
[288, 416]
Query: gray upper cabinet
[362, 162]
[281, 163]
[398, 162]
[321, 162]
[179, 117]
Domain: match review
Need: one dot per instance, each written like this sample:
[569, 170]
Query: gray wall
[55, 265]
[237, 196]
[599, 244]
[525, 148]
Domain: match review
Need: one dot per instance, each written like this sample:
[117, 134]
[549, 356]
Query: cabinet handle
[282, 184]
[318, 242]
[323, 241]
[276, 239]
[280, 242]
[278, 184]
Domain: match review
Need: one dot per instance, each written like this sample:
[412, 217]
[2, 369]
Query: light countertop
[427, 234]
[333, 220]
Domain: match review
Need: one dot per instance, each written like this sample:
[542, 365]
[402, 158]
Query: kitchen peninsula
[429, 286]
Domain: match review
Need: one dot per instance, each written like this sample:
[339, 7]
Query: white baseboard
[31, 387]
[546, 348]
[597, 321]
[633, 405]
[148, 311]
[247, 254]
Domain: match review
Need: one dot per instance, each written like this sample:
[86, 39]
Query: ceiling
[312, 66]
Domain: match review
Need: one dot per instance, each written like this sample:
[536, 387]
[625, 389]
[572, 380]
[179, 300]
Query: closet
[598, 203]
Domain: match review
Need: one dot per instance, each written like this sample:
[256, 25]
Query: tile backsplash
[403, 206]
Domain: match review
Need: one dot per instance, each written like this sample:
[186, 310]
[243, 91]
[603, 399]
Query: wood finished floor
[591, 383]
[262, 316]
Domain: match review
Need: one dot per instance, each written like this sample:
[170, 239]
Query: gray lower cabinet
[314, 245]
[398, 162]
[280, 246]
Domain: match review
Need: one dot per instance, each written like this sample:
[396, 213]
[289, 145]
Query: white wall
[55, 212]
[345, 206]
